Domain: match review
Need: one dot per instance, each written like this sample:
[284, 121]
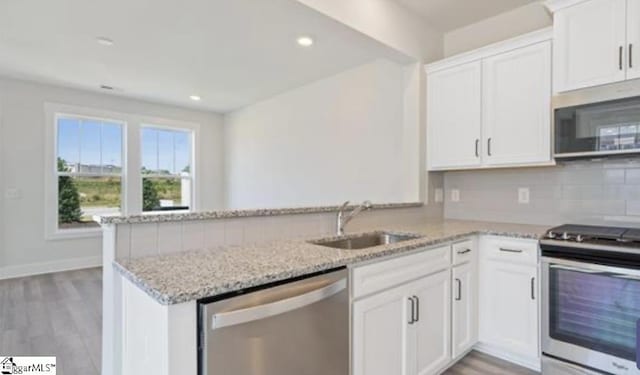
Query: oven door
[591, 315]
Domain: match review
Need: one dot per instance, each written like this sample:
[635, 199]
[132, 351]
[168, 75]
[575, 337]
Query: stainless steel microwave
[597, 122]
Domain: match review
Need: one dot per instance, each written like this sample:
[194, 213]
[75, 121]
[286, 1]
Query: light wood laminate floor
[476, 363]
[60, 314]
[56, 314]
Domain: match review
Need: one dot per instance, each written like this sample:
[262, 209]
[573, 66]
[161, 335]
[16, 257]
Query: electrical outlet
[523, 195]
[12, 194]
[439, 195]
[455, 195]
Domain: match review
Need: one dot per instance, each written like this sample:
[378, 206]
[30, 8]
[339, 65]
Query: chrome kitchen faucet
[343, 220]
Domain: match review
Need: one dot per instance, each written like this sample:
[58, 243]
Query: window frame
[192, 160]
[131, 176]
[58, 174]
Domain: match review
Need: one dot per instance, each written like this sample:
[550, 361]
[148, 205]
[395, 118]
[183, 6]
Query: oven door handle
[251, 314]
[593, 272]
[577, 269]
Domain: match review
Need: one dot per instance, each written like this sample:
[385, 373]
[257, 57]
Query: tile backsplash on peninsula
[588, 192]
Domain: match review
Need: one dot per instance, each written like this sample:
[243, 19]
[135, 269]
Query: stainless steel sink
[366, 240]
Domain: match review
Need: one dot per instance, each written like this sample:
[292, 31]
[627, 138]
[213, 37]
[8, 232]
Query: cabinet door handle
[630, 55]
[417, 308]
[477, 147]
[412, 318]
[489, 146]
[464, 251]
[507, 250]
[459, 296]
[533, 290]
[620, 57]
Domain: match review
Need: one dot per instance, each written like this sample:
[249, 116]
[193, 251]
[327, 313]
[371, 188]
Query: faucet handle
[367, 205]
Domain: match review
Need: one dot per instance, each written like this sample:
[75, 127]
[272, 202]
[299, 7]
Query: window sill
[69, 234]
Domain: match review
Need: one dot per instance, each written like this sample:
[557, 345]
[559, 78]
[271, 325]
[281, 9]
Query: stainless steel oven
[599, 121]
[591, 303]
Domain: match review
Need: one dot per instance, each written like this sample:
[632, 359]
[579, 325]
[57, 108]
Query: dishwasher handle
[250, 314]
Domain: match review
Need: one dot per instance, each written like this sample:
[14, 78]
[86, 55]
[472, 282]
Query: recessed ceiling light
[104, 41]
[195, 98]
[305, 41]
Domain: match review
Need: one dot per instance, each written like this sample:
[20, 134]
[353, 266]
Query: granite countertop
[223, 214]
[192, 275]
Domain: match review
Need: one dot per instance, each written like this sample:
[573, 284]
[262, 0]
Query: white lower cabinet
[403, 330]
[432, 338]
[380, 325]
[464, 325]
[509, 308]
[486, 298]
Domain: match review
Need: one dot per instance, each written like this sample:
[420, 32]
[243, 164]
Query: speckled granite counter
[187, 276]
[223, 214]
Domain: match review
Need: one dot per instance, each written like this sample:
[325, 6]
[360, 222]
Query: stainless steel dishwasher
[299, 327]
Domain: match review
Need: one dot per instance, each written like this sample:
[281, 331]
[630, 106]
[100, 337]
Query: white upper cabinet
[633, 39]
[589, 44]
[516, 106]
[595, 42]
[453, 115]
[491, 107]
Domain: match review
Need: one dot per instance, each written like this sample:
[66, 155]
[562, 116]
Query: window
[166, 169]
[88, 170]
[93, 161]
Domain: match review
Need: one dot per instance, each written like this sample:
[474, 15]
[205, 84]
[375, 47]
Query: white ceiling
[447, 15]
[229, 52]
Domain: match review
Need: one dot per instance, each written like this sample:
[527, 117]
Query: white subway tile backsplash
[123, 241]
[632, 176]
[633, 208]
[214, 233]
[144, 239]
[234, 232]
[193, 235]
[582, 191]
[169, 237]
[135, 240]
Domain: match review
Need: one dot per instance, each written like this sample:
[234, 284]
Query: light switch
[455, 195]
[12, 193]
[523, 195]
[439, 195]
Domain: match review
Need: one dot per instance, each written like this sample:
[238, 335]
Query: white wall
[340, 138]
[506, 25]
[21, 153]
[386, 21]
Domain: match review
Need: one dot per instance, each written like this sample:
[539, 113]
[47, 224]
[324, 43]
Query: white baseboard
[530, 363]
[10, 272]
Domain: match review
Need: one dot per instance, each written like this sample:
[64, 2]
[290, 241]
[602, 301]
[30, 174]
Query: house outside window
[88, 169]
[99, 162]
[166, 169]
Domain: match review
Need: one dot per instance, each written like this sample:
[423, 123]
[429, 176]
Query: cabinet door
[454, 117]
[589, 44]
[432, 330]
[465, 314]
[633, 39]
[509, 307]
[380, 333]
[517, 106]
